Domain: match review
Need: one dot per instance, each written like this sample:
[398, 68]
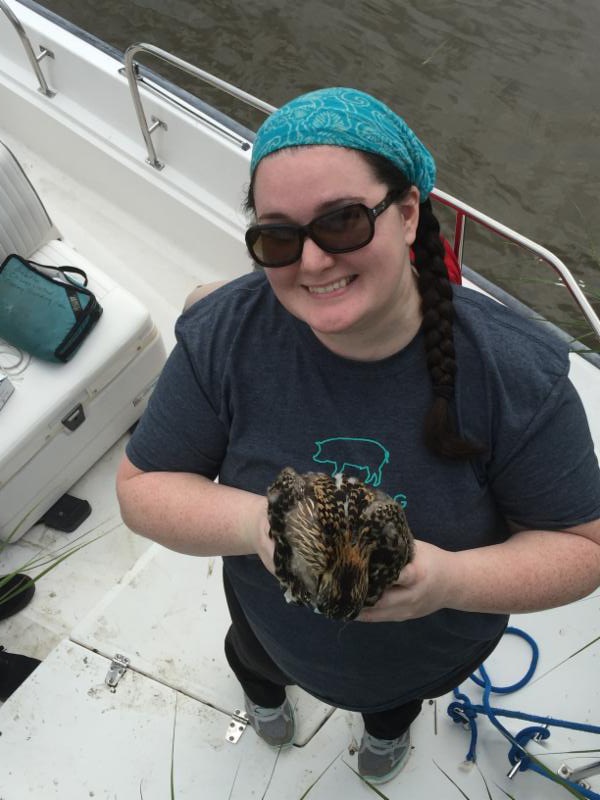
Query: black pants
[264, 683]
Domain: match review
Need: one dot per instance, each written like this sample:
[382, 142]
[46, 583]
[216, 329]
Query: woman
[339, 345]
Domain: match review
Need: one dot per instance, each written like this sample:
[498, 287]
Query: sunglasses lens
[274, 246]
[343, 230]
[336, 232]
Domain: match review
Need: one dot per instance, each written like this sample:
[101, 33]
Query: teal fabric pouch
[46, 311]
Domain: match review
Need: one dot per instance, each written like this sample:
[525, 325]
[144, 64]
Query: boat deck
[164, 730]
[122, 595]
[66, 734]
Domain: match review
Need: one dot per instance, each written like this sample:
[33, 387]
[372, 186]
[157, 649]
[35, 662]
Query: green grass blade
[504, 792]
[554, 777]
[234, 780]
[366, 782]
[485, 783]
[264, 794]
[453, 782]
[55, 562]
[318, 778]
[173, 750]
[46, 562]
[5, 542]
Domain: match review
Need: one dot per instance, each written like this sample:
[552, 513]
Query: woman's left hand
[422, 587]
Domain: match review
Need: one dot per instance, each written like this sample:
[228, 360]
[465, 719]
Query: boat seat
[25, 225]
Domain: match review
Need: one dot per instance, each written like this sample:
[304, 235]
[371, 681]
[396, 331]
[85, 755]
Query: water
[504, 92]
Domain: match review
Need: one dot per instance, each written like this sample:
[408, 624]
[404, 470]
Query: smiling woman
[362, 302]
[340, 339]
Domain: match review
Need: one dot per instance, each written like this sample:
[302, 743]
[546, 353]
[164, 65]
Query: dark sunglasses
[341, 231]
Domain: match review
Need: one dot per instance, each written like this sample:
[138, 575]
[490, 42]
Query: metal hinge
[117, 669]
[237, 726]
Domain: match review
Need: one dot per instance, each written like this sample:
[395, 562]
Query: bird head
[343, 586]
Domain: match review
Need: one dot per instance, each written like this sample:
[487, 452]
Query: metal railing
[465, 212]
[33, 59]
[462, 210]
[169, 58]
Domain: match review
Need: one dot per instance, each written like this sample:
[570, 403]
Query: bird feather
[338, 542]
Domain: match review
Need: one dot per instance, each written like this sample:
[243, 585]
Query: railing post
[33, 59]
[131, 71]
[459, 236]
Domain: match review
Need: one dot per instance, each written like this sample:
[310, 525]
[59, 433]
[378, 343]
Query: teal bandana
[347, 118]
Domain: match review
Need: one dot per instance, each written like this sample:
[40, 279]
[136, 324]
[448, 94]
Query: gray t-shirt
[249, 389]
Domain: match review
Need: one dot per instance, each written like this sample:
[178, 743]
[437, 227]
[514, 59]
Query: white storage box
[61, 418]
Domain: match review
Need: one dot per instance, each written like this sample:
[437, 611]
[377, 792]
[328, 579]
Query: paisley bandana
[347, 118]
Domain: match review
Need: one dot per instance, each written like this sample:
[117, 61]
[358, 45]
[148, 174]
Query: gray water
[505, 93]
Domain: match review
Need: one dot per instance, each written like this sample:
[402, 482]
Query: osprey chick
[338, 543]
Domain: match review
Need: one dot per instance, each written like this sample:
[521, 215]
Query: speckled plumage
[338, 542]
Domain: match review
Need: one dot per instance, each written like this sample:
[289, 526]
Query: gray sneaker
[274, 725]
[380, 760]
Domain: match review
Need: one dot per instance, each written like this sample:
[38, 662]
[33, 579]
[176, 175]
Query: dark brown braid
[438, 316]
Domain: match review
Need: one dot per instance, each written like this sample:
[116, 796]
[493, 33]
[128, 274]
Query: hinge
[117, 669]
[237, 725]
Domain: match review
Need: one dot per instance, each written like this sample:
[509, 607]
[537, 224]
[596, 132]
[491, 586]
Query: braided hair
[437, 309]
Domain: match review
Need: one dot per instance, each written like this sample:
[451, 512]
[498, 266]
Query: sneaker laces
[265, 714]
[382, 747]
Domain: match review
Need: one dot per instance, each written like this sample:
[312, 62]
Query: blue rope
[463, 710]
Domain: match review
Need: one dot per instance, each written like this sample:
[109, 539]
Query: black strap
[65, 271]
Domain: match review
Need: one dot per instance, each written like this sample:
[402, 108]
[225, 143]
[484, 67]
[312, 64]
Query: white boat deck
[64, 733]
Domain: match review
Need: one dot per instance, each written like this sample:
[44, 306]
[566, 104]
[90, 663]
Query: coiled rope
[463, 710]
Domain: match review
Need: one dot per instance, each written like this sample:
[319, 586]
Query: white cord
[18, 360]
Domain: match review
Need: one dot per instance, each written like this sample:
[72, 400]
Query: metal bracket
[157, 123]
[578, 775]
[116, 671]
[465, 720]
[237, 725]
[517, 765]
[44, 53]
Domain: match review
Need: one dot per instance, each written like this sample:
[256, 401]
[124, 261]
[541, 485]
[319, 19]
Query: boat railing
[463, 212]
[133, 79]
[33, 59]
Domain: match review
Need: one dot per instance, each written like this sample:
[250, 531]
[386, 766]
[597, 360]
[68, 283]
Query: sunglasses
[341, 231]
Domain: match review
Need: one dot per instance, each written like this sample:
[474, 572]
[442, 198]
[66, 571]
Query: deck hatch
[169, 615]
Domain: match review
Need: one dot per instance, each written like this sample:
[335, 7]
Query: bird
[338, 542]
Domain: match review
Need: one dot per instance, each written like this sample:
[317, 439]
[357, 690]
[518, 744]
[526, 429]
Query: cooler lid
[46, 393]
